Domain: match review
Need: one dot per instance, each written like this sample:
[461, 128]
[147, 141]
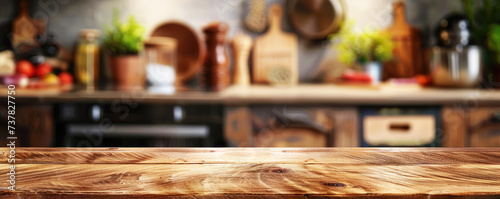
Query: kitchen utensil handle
[23, 6]
[454, 65]
[275, 13]
[288, 121]
[399, 127]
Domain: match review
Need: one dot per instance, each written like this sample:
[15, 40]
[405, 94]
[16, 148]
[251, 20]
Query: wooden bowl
[191, 50]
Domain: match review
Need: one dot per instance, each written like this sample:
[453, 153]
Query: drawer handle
[399, 127]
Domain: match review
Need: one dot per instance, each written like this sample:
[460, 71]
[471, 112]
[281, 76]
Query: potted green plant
[483, 17]
[368, 49]
[494, 45]
[123, 42]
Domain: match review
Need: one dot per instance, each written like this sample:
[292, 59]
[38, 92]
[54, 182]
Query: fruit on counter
[50, 79]
[356, 76]
[25, 67]
[423, 80]
[65, 78]
[43, 69]
[19, 80]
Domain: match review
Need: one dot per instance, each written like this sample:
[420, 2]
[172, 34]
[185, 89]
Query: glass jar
[160, 60]
[87, 59]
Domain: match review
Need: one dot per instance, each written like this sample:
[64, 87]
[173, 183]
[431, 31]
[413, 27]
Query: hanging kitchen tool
[408, 60]
[191, 50]
[316, 19]
[275, 49]
[256, 19]
[241, 44]
[24, 29]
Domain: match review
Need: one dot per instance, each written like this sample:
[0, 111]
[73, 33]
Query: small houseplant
[368, 49]
[484, 19]
[123, 42]
[493, 42]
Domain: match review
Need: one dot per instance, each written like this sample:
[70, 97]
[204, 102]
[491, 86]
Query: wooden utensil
[275, 49]
[24, 30]
[191, 50]
[241, 44]
[316, 19]
[408, 60]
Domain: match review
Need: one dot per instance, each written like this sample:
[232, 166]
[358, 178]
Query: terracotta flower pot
[127, 72]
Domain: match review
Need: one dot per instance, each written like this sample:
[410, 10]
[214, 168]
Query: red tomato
[423, 80]
[65, 78]
[26, 68]
[43, 69]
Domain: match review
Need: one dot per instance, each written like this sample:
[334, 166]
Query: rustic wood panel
[238, 126]
[254, 173]
[301, 94]
[346, 128]
[34, 125]
[484, 132]
[352, 156]
[454, 132]
[288, 179]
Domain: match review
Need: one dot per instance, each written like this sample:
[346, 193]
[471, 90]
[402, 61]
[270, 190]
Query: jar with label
[87, 59]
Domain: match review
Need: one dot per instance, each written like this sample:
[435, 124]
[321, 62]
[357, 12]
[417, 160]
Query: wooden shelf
[302, 94]
[254, 172]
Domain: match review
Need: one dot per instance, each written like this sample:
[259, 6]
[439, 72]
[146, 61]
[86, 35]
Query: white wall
[73, 15]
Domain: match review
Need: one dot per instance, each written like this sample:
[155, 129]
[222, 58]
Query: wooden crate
[484, 127]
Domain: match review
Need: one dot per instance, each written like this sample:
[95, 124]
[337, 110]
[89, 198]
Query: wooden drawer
[33, 128]
[400, 126]
[484, 127]
[408, 130]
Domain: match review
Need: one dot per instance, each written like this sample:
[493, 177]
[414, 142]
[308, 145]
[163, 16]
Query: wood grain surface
[301, 94]
[254, 173]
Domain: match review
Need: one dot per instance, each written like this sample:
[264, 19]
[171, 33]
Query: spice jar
[87, 59]
[159, 57]
[215, 72]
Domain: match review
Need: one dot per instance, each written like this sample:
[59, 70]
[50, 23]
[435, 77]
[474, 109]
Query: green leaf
[123, 38]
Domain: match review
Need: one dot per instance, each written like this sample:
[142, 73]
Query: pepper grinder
[215, 75]
[241, 44]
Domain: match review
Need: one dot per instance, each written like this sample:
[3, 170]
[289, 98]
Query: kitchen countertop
[254, 172]
[302, 94]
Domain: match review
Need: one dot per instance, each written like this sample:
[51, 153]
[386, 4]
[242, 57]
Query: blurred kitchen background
[271, 73]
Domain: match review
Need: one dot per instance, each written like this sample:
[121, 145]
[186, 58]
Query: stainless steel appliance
[456, 67]
[455, 62]
[130, 124]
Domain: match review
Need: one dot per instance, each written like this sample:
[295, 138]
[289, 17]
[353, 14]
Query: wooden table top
[253, 173]
[301, 94]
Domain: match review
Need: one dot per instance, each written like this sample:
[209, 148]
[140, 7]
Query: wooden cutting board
[275, 55]
[24, 29]
[408, 59]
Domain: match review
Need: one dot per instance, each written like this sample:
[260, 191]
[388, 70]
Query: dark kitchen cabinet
[33, 125]
[138, 124]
